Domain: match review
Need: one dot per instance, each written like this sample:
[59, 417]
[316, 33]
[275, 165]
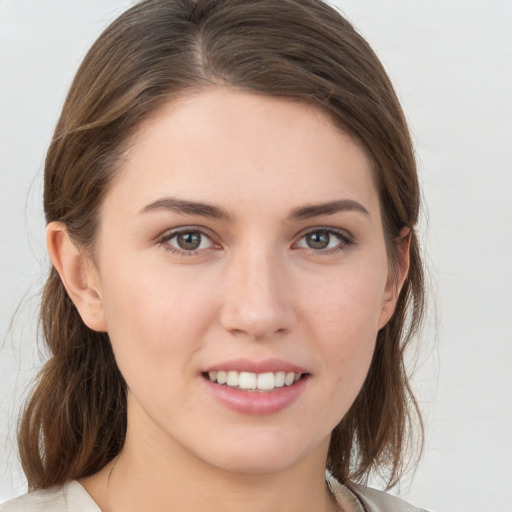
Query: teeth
[290, 377]
[232, 379]
[255, 381]
[279, 379]
[266, 380]
[247, 380]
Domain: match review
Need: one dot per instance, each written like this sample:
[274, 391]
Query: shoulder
[45, 499]
[379, 501]
[367, 499]
[70, 497]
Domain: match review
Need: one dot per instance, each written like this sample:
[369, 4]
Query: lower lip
[256, 403]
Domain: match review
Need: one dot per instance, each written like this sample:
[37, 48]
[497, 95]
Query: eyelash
[165, 239]
[345, 240]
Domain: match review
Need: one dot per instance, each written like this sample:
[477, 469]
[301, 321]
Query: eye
[186, 241]
[325, 240]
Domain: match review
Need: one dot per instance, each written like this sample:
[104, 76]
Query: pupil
[318, 240]
[189, 241]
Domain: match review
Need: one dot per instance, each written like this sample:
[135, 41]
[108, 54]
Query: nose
[258, 300]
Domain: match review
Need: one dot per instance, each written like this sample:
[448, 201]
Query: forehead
[222, 145]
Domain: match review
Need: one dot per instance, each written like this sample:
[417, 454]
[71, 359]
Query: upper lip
[251, 366]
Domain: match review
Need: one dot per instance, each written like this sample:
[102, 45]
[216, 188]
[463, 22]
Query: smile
[248, 381]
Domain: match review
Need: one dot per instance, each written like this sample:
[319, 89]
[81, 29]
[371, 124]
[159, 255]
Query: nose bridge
[258, 302]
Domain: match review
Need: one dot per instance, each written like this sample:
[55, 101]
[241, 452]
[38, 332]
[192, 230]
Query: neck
[147, 477]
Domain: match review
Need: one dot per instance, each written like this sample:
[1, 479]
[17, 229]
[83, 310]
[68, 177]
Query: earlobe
[396, 277]
[78, 274]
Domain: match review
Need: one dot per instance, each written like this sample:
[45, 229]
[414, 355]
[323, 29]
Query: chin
[259, 454]
[250, 464]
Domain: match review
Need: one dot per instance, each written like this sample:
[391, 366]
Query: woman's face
[241, 241]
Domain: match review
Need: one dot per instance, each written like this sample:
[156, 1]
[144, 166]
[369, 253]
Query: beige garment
[370, 500]
[72, 497]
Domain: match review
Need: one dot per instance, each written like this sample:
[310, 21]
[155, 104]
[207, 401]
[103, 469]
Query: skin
[254, 289]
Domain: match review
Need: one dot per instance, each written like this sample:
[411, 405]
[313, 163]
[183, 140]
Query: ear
[396, 277]
[78, 274]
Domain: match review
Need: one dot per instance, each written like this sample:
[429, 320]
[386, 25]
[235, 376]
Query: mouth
[255, 382]
[256, 388]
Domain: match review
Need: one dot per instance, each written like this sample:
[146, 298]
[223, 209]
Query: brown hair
[75, 420]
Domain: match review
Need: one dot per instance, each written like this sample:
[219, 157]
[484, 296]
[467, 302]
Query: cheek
[344, 315]
[152, 322]
[351, 300]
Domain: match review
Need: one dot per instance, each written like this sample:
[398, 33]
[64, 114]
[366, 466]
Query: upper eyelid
[172, 232]
[330, 229]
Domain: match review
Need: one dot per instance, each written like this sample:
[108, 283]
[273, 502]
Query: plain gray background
[451, 63]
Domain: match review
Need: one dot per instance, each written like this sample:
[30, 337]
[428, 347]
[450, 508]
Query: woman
[231, 198]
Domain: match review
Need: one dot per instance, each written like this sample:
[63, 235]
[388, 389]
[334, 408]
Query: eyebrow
[185, 207]
[330, 208]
